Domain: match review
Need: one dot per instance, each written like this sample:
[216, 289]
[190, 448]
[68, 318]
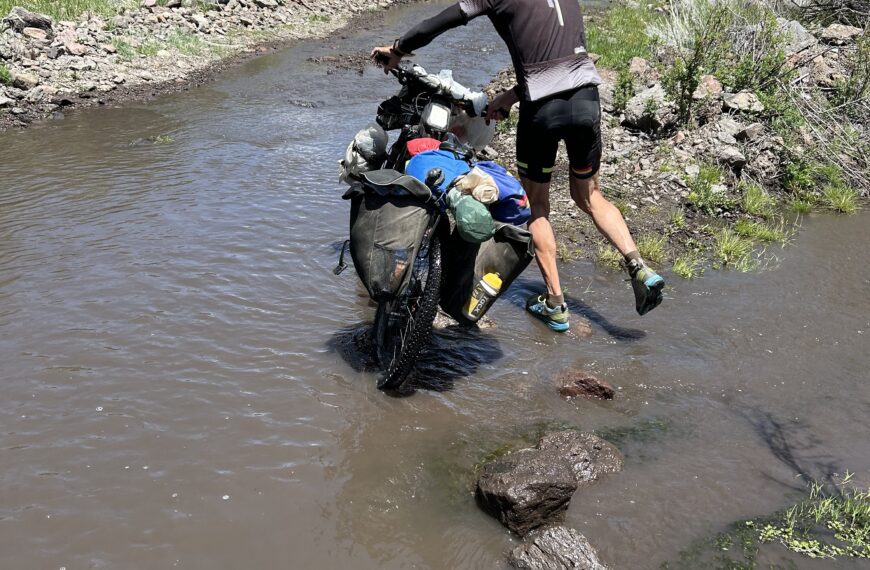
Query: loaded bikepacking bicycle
[409, 239]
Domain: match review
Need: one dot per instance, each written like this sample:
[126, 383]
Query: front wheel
[402, 326]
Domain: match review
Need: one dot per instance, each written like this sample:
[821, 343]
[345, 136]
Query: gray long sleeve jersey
[546, 40]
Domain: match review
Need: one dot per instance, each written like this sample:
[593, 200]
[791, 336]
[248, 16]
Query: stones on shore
[840, 34]
[743, 101]
[650, 110]
[556, 548]
[20, 19]
[530, 488]
[576, 383]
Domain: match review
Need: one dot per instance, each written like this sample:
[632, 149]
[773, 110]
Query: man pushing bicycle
[557, 89]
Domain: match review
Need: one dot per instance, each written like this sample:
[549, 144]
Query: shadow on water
[453, 353]
[792, 444]
[522, 289]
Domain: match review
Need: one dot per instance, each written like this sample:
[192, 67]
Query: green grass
[506, 126]
[186, 43]
[68, 9]
[619, 35]
[840, 198]
[678, 219]
[801, 206]
[756, 201]
[652, 248]
[608, 256]
[733, 250]
[5, 76]
[760, 231]
[702, 195]
[314, 18]
[688, 266]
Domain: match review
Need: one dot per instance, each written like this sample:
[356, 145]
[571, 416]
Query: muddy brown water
[181, 385]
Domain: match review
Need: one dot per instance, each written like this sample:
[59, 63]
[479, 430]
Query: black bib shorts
[572, 116]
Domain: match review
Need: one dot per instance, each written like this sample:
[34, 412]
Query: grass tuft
[801, 206]
[733, 250]
[840, 198]
[760, 231]
[756, 201]
[608, 256]
[688, 266]
[701, 192]
[652, 248]
[5, 75]
[678, 219]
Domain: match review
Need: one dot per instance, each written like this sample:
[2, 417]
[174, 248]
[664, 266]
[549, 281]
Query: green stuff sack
[464, 264]
[474, 223]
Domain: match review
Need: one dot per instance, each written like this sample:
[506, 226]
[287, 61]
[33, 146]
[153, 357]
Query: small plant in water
[608, 256]
[688, 266]
[841, 198]
[733, 250]
[760, 231]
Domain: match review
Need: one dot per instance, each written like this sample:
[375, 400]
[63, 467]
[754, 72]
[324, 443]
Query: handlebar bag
[512, 206]
[464, 264]
[386, 231]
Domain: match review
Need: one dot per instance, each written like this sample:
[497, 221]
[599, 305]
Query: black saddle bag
[388, 222]
[507, 253]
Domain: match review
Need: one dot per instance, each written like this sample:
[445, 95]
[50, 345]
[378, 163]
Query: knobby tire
[413, 330]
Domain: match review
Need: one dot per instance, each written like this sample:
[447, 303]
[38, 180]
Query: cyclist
[558, 96]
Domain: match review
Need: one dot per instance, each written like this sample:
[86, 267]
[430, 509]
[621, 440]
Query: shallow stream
[181, 388]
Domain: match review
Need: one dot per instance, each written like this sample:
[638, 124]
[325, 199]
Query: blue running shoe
[647, 285]
[556, 319]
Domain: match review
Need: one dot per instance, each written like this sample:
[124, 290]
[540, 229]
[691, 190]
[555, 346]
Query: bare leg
[542, 233]
[607, 217]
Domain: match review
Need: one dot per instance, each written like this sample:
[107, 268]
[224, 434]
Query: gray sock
[554, 301]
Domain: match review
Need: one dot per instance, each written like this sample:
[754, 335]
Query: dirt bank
[47, 67]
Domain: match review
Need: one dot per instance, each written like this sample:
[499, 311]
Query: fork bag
[385, 236]
[464, 264]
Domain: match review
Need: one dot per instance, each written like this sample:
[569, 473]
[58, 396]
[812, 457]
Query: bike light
[436, 116]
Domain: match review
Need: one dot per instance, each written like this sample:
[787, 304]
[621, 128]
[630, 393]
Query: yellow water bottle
[482, 295]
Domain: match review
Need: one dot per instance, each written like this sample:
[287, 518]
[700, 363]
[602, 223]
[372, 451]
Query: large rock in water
[556, 548]
[530, 488]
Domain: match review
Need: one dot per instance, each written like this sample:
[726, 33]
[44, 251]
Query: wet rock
[839, 34]
[650, 110]
[19, 19]
[530, 488]
[556, 548]
[750, 133]
[795, 37]
[709, 87]
[574, 383]
[744, 101]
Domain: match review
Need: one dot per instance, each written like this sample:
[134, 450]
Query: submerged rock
[574, 383]
[556, 548]
[532, 487]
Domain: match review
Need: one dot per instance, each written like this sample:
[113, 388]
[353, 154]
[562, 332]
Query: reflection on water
[186, 383]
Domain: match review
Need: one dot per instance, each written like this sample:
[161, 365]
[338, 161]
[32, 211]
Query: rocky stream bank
[709, 192]
[48, 65]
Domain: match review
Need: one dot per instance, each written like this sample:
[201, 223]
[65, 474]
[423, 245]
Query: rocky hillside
[724, 184]
[47, 64]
